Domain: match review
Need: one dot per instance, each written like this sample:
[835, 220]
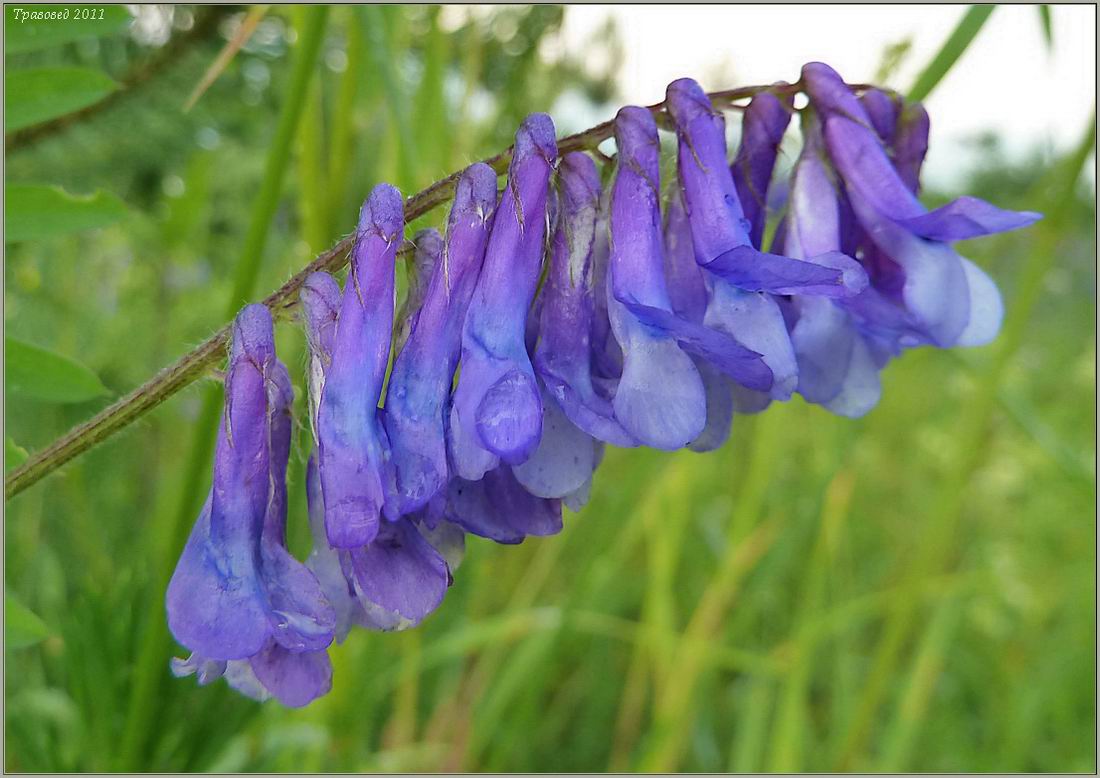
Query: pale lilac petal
[564, 460]
[719, 409]
[756, 320]
[986, 307]
[862, 386]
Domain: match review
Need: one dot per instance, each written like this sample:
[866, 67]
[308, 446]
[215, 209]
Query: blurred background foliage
[911, 590]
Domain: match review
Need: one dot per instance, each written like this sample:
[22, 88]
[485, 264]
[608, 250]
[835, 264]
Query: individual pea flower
[687, 292]
[496, 413]
[418, 397]
[718, 225]
[562, 356]
[660, 398]
[754, 317]
[763, 124]
[401, 576]
[955, 302]
[836, 367]
[238, 600]
[352, 446]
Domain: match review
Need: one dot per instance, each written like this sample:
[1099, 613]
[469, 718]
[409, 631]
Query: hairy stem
[193, 365]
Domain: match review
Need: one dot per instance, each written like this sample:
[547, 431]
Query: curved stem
[194, 364]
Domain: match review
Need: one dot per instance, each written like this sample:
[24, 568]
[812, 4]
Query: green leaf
[21, 627]
[33, 211]
[14, 454]
[28, 27]
[1047, 24]
[35, 95]
[961, 37]
[37, 374]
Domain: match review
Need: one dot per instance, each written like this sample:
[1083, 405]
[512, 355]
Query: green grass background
[914, 590]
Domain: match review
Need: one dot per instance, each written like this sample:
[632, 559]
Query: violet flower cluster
[574, 315]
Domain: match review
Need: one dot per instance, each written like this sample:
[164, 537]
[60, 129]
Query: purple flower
[563, 357]
[660, 399]
[835, 365]
[417, 400]
[718, 224]
[950, 298]
[858, 155]
[237, 599]
[352, 445]
[497, 413]
[398, 578]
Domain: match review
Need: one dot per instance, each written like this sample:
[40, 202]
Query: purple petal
[719, 409]
[829, 275]
[214, 602]
[352, 445]
[911, 144]
[935, 291]
[757, 322]
[967, 217]
[494, 354]
[325, 563]
[420, 381]
[867, 171]
[660, 400]
[400, 572]
[763, 124]
[861, 389]
[563, 356]
[294, 679]
[686, 290]
[427, 256]
[302, 618]
[717, 346]
[718, 222]
[499, 508]
[882, 109]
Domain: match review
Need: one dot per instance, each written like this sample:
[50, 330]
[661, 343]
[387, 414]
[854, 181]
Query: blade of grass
[792, 717]
[225, 56]
[961, 37]
[151, 665]
[928, 664]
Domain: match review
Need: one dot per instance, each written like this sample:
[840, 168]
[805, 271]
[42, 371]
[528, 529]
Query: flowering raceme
[550, 319]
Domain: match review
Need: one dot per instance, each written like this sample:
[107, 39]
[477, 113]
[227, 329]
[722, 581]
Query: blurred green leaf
[1047, 25]
[21, 627]
[961, 38]
[35, 95]
[34, 211]
[14, 454]
[38, 374]
[24, 33]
